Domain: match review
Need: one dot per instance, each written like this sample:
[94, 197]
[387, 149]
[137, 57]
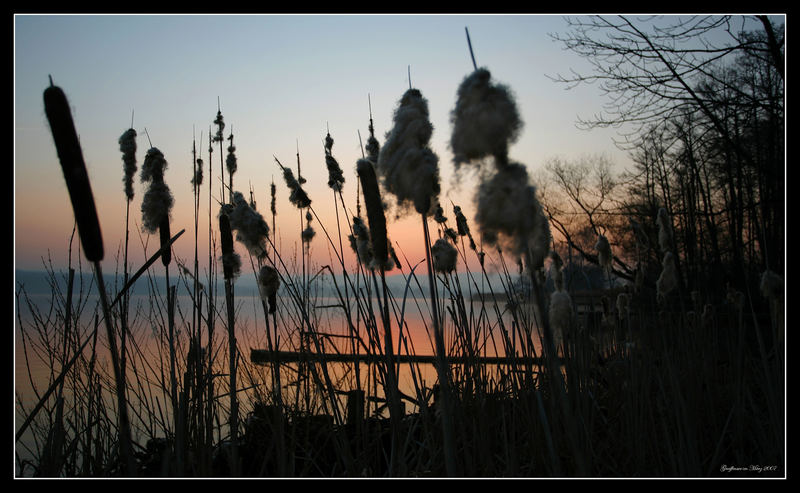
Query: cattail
[127, 145]
[556, 272]
[250, 226]
[298, 196]
[220, 123]
[231, 263]
[308, 233]
[444, 256]
[771, 285]
[623, 305]
[560, 315]
[409, 169]
[485, 119]
[360, 241]
[664, 230]
[668, 280]
[375, 215]
[438, 215]
[509, 214]
[272, 205]
[157, 201]
[268, 283]
[452, 234]
[603, 252]
[335, 174]
[164, 237]
[230, 160]
[373, 147]
[72, 165]
[197, 179]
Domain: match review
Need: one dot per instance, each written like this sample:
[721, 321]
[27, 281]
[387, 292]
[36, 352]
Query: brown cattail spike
[74, 169]
[372, 201]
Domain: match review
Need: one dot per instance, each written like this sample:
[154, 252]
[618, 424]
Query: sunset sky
[282, 82]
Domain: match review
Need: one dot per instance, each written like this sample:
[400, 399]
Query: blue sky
[282, 81]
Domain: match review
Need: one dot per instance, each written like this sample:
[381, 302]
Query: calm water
[147, 315]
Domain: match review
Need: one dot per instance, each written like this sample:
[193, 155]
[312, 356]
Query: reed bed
[318, 374]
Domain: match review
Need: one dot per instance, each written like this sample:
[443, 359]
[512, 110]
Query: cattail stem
[126, 447]
[441, 366]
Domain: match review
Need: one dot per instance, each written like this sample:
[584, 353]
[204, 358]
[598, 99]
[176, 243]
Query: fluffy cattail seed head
[560, 315]
[509, 214]
[668, 280]
[268, 284]
[127, 145]
[231, 162]
[297, 196]
[556, 271]
[231, 263]
[603, 252]
[220, 123]
[408, 167]
[250, 226]
[197, 179]
[360, 241]
[444, 256]
[157, 201]
[485, 119]
[308, 233]
[335, 174]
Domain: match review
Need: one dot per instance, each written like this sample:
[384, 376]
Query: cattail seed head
[73, 167]
[485, 119]
[157, 201]
[231, 163]
[220, 123]
[308, 233]
[197, 179]
[556, 271]
[603, 252]
[164, 236]
[335, 174]
[444, 256]
[127, 145]
[231, 263]
[298, 196]
[668, 280]
[408, 167]
[375, 214]
[250, 226]
[438, 215]
[509, 214]
[461, 221]
[272, 190]
[268, 284]
[560, 315]
[360, 241]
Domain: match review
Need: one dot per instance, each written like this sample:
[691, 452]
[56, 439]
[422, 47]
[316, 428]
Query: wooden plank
[264, 356]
